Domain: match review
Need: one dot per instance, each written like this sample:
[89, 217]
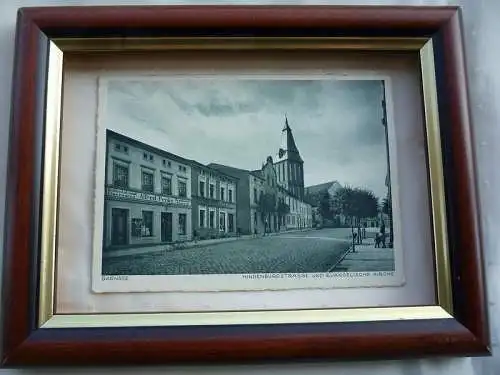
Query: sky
[336, 123]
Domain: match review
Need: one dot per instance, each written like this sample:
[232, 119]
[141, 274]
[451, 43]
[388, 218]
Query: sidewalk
[367, 258]
[190, 244]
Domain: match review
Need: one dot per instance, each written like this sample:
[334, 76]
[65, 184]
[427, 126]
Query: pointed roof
[288, 149]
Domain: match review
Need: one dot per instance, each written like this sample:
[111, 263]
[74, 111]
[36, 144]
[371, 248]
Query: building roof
[288, 149]
[321, 187]
[163, 153]
[212, 170]
[257, 173]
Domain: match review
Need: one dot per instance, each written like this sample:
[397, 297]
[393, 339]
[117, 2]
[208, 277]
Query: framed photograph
[240, 183]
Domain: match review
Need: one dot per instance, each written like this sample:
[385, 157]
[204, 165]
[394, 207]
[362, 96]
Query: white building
[147, 195]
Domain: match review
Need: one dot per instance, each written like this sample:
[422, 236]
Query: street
[297, 252]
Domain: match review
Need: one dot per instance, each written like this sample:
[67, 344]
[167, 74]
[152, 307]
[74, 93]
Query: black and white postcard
[219, 183]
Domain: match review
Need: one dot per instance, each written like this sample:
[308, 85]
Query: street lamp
[388, 176]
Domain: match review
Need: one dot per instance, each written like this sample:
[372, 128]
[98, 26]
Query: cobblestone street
[300, 252]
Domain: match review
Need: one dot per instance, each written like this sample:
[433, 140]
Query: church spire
[286, 127]
[288, 143]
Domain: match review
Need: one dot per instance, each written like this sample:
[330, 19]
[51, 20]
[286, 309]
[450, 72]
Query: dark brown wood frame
[24, 344]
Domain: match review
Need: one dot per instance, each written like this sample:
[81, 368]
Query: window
[212, 219]
[120, 175]
[230, 222]
[182, 224]
[182, 188]
[221, 193]
[255, 198]
[147, 223]
[230, 195]
[166, 185]
[212, 190]
[202, 188]
[202, 218]
[147, 182]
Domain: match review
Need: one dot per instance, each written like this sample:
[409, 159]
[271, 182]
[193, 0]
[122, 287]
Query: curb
[332, 268]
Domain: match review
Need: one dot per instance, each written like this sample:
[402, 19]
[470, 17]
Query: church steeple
[286, 123]
[289, 163]
[290, 150]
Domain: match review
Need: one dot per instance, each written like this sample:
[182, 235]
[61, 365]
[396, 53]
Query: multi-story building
[280, 185]
[154, 197]
[147, 195]
[214, 196]
[241, 179]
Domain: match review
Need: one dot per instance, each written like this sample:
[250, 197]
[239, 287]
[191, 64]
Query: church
[289, 165]
[282, 179]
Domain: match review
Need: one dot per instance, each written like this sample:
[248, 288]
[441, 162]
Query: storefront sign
[121, 194]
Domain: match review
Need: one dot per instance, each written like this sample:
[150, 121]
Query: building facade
[147, 195]
[154, 197]
[213, 196]
[271, 199]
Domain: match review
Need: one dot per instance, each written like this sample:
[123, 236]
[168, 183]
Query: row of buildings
[154, 197]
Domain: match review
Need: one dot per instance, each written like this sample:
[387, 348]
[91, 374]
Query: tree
[356, 204]
[283, 209]
[325, 205]
[266, 207]
[386, 206]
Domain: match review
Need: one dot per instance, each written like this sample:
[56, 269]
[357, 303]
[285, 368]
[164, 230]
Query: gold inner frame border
[54, 86]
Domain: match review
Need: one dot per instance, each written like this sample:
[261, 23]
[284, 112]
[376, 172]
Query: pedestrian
[382, 234]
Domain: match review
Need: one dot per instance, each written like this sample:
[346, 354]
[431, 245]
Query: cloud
[336, 123]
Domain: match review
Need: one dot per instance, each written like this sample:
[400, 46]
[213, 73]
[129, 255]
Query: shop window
[147, 223]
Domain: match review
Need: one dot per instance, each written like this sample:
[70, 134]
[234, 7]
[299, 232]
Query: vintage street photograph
[228, 175]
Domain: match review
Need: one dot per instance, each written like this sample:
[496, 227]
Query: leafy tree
[325, 205]
[386, 206]
[267, 207]
[283, 209]
[356, 204]
[368, 204]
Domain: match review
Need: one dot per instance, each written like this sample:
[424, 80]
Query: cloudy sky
[238, 122]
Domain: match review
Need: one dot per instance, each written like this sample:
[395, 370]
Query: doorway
[119, 225]
[166, 227]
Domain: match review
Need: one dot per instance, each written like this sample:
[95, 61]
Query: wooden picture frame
[34, 335]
